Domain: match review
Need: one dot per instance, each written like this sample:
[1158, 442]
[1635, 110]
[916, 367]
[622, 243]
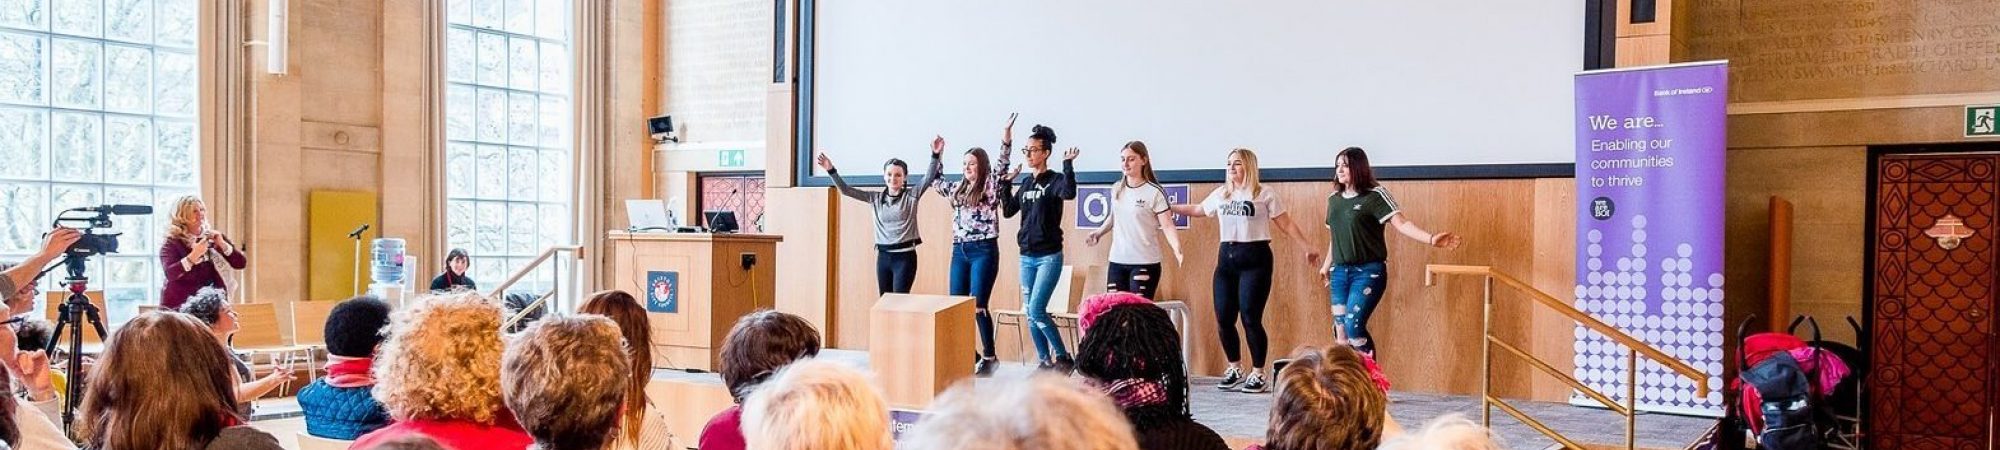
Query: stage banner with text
[1649, 180]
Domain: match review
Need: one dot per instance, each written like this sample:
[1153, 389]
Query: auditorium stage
[1242, 418]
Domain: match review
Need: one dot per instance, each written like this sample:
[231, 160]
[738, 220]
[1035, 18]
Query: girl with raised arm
[895, 208]
[1039, 201]
[975, 224]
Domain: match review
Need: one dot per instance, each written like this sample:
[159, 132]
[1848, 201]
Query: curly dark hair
[206, 304]
[32, 335]
[1137, 341]
[354, 327]
[1046, 134]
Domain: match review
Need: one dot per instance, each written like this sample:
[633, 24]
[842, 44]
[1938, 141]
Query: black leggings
[895, 271]
[1142, 279]
[1243, 285]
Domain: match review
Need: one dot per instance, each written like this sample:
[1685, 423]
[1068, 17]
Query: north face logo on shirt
[1238, 208]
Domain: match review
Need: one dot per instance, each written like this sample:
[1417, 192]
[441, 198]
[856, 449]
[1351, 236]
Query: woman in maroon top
[189, 251]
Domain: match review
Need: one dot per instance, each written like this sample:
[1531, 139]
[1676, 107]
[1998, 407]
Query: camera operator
[21, 277]
[188, 253]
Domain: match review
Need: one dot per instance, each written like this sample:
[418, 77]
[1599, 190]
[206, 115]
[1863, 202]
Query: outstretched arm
[1408, 228]
[826, 164]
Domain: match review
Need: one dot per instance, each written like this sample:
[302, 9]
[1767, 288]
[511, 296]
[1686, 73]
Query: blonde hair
[1250, 178]
[163, 383]
[1040, 412]
[565, 380]
[817, 405]
[1450, 432]
[442, 360]
[182, 226]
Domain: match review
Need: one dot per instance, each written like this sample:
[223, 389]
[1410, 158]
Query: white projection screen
[1434, 83]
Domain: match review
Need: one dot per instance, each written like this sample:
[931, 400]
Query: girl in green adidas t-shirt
[1357, 214]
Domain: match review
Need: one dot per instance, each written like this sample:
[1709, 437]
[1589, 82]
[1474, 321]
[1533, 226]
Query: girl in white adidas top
[1138, 207]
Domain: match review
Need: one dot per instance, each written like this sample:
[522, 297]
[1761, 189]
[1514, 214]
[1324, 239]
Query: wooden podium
[919, 346]
[694, 287]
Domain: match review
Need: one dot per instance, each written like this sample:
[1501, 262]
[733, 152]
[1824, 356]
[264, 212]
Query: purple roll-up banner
[1650, 146]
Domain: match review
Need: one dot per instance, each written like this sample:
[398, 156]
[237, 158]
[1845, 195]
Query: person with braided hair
[1132, 353]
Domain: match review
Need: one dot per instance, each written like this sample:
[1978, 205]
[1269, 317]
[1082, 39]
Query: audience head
[817, 405]
[442, 360]
[1350, 167]
[411, 442]
[1450, 432]
[458, 260]
[163, 382]
[760, 344]
[22, 300]
[1096, 305]
[565, 380]
[211, 306]
[1043, 412]
[354, 327]
[1132, 353]
[32, 335]
[1326, 401]
[637, 330]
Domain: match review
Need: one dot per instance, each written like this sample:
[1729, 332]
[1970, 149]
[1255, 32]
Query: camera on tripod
[89, 220]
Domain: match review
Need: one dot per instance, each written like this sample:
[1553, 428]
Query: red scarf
[346, 372]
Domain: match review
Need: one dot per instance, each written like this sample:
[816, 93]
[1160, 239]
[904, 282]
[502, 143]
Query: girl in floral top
[975, 224]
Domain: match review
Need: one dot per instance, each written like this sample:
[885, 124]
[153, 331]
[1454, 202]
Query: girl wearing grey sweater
[895, 208]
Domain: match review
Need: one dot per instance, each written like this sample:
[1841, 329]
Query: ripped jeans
[1356, 291]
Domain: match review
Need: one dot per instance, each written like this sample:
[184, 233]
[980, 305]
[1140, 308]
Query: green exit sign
[730, 158]
[1982, 121]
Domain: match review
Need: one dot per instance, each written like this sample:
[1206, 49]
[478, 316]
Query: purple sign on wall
[1093, 205]
[1649, 180]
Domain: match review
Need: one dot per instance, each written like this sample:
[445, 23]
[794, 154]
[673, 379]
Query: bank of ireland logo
[1093, 207]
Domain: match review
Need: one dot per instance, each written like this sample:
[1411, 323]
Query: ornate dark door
[1933, 307]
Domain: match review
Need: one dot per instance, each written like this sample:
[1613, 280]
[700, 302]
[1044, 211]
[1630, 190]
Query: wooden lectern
[694, 287]
[919, 345]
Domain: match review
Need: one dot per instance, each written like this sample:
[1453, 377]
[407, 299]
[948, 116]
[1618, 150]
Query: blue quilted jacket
[340, 413]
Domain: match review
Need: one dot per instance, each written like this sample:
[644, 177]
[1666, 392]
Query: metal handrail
[1488, 401]
[499, 293]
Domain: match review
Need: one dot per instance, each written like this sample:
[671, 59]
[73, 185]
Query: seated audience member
[565, 380]
[1043, 412]
[1450, 432]
[164, 383]
[757, 346]
[342, 404]
[37, 398]
[1132, 353]
[438, 374]
[31, 338]
[456, 263]
[19, 282]
[817, 405]
[1327, 401]
[212, 306]
[641, 426]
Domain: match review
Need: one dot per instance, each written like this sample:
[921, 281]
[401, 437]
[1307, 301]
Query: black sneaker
[1044, 365]
[985, 366]
[1254, 384]
[1230, 378]
[1064, 364]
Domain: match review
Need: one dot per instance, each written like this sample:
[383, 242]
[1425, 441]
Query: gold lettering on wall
[1822, 49]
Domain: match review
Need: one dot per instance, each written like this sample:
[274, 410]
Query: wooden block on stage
[919, 345]
[688, 405]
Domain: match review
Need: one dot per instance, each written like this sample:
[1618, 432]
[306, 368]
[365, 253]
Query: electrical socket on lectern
[749, 260]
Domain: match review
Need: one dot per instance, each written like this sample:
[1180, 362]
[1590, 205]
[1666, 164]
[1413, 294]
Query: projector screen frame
[1598, 46]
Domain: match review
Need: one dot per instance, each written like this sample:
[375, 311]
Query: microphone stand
[356, 236]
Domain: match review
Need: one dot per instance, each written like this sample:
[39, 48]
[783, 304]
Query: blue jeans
[974, 265]
[1038, 283]
[1357, 290]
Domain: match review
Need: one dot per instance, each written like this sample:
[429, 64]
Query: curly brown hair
[1326, 401]
[442, 360]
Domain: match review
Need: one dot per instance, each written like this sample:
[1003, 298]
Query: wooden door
[1932, 308]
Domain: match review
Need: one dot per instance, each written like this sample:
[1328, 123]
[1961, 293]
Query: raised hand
[1071, 154]
[937, 147]
[59, 241]
[1007, 135]
[824, 163]
[201, 246]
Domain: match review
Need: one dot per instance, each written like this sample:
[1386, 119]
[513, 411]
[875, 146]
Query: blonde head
[187, 223]
[1043, 412]
[817, 405]
[442, 360]
[1450, 432]
[1251, 183]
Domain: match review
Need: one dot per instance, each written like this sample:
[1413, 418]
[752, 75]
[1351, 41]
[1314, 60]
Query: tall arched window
[508, 154]
[98, 105]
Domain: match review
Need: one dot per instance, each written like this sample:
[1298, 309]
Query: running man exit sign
[1982, 121]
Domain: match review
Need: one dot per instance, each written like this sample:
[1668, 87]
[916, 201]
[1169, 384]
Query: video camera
[91, 218]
